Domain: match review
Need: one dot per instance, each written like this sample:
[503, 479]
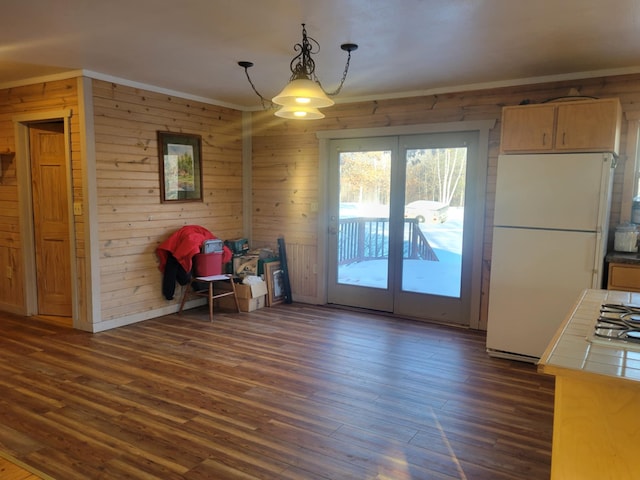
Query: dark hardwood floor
[288, 392]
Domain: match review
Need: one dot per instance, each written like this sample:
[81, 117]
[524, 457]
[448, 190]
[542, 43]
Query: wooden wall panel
[11, 290]
[301, 260]
[132, 221]
[285, 156]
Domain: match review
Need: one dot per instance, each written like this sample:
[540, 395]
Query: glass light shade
[300, 113]
[303, 91]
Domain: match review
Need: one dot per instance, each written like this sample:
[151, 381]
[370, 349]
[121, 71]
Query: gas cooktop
[617, 326]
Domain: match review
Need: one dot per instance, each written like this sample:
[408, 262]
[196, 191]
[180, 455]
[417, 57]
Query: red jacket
[184, 244]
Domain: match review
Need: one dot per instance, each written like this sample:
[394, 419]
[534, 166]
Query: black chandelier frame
[303, 66]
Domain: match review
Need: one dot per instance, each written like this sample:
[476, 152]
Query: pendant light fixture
[299, 112]
[303, 95]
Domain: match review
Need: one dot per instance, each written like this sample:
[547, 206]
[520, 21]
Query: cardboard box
[251, 304]
[251, 291]
[245, 265]
[250, 297]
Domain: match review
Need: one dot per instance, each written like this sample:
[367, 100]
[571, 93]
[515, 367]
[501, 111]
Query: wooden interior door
[51, 218]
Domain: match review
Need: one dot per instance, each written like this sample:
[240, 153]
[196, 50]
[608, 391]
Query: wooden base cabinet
[575, 126]
[596, 417]
[624, 276]
[596, 429]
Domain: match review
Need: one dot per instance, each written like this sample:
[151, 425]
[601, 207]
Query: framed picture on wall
[180, 157]
[273, 276]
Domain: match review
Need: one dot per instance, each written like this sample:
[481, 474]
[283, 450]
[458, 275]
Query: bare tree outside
[437, 175]
[364, 177]
[434, 174]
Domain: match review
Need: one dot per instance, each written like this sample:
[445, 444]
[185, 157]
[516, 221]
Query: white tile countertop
[571, 352]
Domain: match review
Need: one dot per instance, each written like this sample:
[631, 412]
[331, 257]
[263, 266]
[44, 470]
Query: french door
[397, 237]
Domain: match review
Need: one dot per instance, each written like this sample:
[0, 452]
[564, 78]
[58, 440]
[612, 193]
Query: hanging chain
[344, 77]
[266, 103]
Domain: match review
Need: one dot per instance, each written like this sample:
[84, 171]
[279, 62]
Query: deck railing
[361, 239]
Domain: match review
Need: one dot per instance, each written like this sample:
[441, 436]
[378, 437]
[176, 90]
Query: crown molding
[343, 100]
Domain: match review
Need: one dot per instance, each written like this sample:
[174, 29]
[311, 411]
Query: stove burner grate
[618, 322]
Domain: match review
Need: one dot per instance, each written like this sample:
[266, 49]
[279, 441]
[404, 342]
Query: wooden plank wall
[132, 220]
[284, 187]
[285, 159]
[31, 99]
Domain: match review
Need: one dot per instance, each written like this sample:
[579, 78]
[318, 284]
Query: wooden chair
[209, 291]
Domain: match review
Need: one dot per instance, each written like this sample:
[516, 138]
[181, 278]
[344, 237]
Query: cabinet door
[588, 126]
[527, 128]
[624, 277]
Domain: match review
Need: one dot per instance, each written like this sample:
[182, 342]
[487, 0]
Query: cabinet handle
[564, 134]
[544, 139]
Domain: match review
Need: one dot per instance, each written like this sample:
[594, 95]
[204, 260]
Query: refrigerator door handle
[598, 257]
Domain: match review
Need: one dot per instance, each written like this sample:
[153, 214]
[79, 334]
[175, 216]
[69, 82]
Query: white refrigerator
[549, 241]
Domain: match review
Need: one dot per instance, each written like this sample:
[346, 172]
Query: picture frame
[180, 161]
[274, 278]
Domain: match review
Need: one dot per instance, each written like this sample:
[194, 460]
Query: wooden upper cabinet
[528, 128]
[589, 125]
[576, 126]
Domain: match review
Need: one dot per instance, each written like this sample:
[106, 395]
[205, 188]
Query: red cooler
[207, 264]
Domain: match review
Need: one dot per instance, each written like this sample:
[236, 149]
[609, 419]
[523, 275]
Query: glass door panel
[434, 214]
[363, 227]
[359, 243]
[434, 278]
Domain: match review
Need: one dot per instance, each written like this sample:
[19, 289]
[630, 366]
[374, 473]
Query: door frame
[380, 297]
[481, 126]
[22, 125]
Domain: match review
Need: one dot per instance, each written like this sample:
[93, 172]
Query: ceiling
[406, 47]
